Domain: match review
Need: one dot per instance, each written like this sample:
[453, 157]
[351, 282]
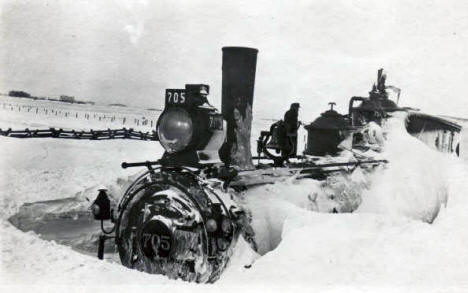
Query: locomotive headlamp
[190, 130]
[175, 130]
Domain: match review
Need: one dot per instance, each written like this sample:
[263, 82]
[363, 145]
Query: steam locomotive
[183, 215]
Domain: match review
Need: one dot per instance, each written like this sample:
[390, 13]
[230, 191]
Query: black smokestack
[239, 66]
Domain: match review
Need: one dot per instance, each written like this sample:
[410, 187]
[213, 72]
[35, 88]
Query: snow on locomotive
[183, 216]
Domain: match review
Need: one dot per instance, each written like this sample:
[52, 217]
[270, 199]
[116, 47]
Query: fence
[123, 133]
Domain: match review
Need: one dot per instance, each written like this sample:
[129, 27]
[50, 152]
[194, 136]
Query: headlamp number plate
[216, 122]
[175, 96]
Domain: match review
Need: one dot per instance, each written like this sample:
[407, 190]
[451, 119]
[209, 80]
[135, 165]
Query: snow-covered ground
[22, 113]
[386, 245]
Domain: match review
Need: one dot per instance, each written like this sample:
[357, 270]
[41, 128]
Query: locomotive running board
[271, 175]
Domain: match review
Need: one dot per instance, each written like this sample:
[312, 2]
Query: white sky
[309, 51]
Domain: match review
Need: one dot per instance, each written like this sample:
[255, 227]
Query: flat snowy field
[384, 246]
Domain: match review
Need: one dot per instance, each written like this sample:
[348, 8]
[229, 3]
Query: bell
[277, 132]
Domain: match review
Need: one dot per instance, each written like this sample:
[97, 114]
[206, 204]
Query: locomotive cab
[375, 107]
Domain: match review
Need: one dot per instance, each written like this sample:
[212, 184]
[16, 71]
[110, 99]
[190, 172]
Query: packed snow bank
[377, 250]
[46, 184]
[271, 205]
[322, 250]
[415, 182]
[45, 169]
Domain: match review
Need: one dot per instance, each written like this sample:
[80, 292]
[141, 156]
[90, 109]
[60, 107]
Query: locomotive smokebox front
[173, 224]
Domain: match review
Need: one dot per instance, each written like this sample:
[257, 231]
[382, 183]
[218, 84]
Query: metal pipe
[239, 65]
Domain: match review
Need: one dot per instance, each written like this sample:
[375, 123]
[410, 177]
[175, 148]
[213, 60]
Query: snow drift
[415, 183]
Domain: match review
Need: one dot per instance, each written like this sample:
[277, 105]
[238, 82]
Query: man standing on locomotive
[291, 125]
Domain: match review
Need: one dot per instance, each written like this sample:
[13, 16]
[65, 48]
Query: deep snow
[385, 245]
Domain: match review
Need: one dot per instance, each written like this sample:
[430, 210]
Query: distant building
[20, 94]
[67, 99]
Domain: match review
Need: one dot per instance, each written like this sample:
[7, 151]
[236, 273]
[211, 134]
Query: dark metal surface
[162, 227]
[239, 65]
[326, 133]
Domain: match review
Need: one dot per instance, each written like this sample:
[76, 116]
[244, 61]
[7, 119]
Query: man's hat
[295, 105]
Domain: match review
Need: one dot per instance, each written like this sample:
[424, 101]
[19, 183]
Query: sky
[312, 52]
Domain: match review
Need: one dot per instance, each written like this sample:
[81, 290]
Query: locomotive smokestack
[239, 66]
